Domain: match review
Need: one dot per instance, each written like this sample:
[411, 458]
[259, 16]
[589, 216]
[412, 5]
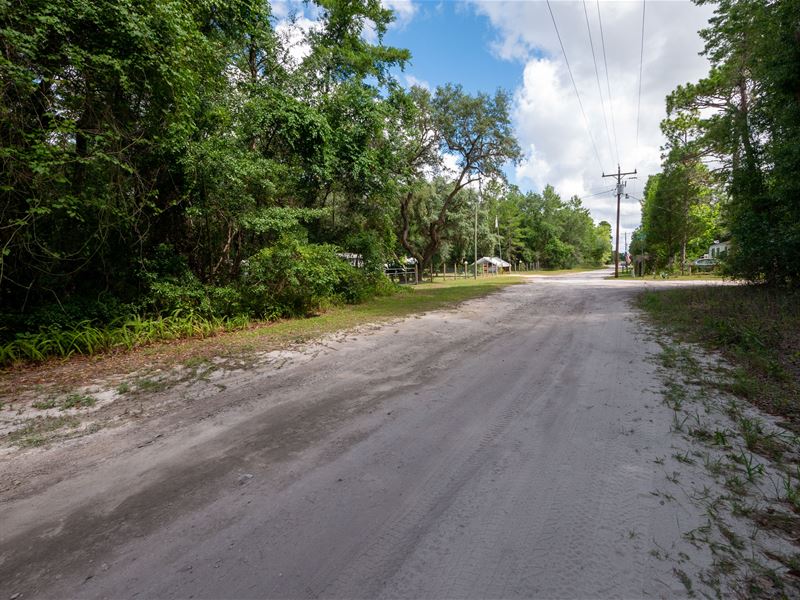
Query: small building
[492, 264]
[718, 249]
[355, 260]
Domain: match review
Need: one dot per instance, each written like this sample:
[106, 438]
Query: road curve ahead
[502, 449]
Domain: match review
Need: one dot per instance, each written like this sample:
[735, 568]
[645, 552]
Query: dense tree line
[732, 153]
[207, 157]
[543, 230]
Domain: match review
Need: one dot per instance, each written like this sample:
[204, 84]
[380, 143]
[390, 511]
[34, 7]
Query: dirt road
[509, 448]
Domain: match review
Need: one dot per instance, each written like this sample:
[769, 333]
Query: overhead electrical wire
[575, 87]
[608, 82]
[639, 101]
[597, 78]
[600, 193]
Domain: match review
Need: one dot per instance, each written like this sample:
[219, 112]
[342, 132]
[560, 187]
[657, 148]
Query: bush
[355, 286]
[225, 301]
[559, 255]
[172, 286]
[68, 313]
[372, 252]
[293, 278]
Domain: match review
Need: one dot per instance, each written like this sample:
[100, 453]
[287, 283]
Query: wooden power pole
[619, 175]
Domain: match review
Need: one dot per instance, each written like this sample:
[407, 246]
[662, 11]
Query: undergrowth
[755, 328]
[128, 333]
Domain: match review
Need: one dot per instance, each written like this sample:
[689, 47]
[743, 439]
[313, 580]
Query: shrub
[355, 286]
[172, 285]
[293, 278]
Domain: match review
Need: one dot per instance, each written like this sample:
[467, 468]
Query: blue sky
[449, 42]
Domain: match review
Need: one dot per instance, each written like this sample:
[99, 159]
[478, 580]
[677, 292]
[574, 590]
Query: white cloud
[280, 9]
[294, 33]
[415, 81]
[404, 11]
[450, 166]
[547, 116]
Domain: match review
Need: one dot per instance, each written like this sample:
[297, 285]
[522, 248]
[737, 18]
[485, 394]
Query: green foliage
[77, 401]
[600, 250]
[170, 169]
[680, 214]
[745, 116]
[560, 234]
[559, 255]
[476, 132]
[295, 278]
[172, 285]
[756, 328]
[122, 333]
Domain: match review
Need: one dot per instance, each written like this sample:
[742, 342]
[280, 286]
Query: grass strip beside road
[259, 337]
[755, 328]
[409, 300]
[710, 276]
[578, 269]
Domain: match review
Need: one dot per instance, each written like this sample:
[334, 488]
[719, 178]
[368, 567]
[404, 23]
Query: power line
[608, 83]
[597, 77]
[639, 101]
[575, 87]
[599, 193]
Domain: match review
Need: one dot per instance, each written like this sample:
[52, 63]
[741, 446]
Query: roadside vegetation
[672, 276]
[195, 353]
[755, 328]
[174, 170]
[730, 158]
[44, 403]
[729, 175]
[737, 464]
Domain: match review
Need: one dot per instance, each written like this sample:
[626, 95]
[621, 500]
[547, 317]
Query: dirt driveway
[515, 447]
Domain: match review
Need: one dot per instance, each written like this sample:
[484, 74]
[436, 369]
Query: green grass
[671, 277]
[125, 334]
[70, 401]
[756, 329]
[77, 401]
[409, 300]
[578, 269]
[244, 333]
[44, 404]
[39, 430]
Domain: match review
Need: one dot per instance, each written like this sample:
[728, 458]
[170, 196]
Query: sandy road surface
[499, 450]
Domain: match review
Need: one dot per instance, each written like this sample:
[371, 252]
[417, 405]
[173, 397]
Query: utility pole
[625, 252]
[619, 175]
[475, 247]
[499, 240]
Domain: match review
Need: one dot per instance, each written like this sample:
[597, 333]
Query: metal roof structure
[493, 260]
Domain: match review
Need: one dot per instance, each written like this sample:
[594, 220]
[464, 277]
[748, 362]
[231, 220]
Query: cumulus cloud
[547, 115]
[412, 81]
[404, 11]
[294, 33]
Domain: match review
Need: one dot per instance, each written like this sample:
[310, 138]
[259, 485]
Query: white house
[718, 249]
